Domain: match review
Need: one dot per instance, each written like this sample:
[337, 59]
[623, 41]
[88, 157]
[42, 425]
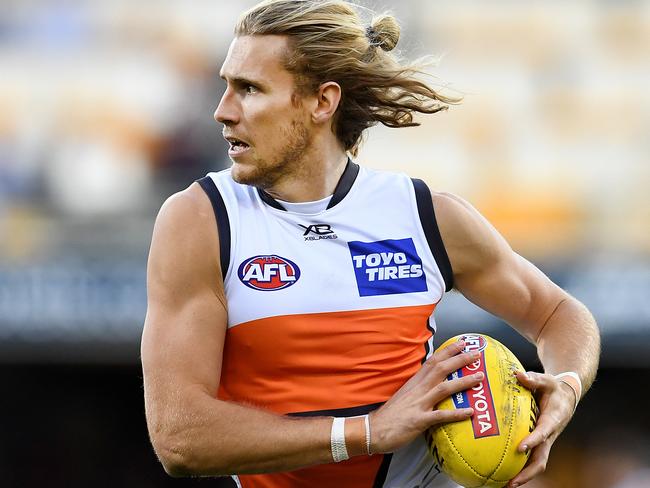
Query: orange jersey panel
[358, 472]
[321, 361]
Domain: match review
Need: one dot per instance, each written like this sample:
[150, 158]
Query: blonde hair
[329, 43]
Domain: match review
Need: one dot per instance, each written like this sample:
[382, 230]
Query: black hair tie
[371, 34]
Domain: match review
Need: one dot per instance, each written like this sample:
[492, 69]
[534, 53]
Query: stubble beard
[290, 161]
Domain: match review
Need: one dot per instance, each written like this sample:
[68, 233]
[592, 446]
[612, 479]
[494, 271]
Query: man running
[289, 333]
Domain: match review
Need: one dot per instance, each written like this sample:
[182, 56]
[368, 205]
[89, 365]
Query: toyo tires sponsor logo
[387, 267]
[268, 272]
[484, 420]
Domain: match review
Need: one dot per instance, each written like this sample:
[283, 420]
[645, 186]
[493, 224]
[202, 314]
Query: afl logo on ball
[268, 273]
[474, 342]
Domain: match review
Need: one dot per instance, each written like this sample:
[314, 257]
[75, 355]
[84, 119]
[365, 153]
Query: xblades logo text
[319, 231]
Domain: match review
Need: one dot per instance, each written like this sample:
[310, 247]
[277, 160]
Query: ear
[327, 98]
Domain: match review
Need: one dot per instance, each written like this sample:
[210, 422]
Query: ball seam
[453, 446]
[510, 427]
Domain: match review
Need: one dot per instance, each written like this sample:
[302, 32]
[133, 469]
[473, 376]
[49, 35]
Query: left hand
[556, 402]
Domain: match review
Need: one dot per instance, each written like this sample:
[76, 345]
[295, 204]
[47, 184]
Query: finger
[536, 465]
[437, 373]
[454, 363]
[434, 361]
[448, 388]
[546, 426]
[436, 417]
[536, 381]
[433, 368]
[447, 352]
[540, 384]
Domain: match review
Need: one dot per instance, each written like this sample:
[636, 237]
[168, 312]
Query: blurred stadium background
[106, 109]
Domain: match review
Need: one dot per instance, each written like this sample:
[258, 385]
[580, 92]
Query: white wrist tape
[573, 380]
[337, 440]
[366, 420]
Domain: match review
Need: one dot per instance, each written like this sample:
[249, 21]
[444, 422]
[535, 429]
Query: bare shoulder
[185, 242]
[189, 207]
[470, 240]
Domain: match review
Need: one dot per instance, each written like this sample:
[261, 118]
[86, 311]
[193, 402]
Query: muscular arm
[192, 431]
[491, 275]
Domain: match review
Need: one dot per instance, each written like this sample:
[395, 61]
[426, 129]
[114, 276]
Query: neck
[320, 174]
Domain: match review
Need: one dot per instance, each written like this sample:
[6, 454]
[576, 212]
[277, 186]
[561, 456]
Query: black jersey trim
[343, 187]
[427, 350]
[269, 200]
[345, 183]
[340, 412]
[382, 473]
[223, 223]
[432, 232]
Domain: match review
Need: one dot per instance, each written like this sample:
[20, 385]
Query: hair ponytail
[328, 42]
[383, 32]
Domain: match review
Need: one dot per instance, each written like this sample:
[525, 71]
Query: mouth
[237, 146]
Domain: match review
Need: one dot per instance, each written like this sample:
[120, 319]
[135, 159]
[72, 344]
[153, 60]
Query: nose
[227, 112]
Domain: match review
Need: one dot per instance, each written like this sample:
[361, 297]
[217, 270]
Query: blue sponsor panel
[387, 267]
[459, 398]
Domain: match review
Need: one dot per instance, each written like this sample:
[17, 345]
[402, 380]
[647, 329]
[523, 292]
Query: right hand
[411, 410]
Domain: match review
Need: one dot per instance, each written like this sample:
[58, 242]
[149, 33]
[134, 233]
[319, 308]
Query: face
[265, 121]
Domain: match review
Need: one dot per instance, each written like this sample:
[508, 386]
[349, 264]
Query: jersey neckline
[307, 208]
[343, 187]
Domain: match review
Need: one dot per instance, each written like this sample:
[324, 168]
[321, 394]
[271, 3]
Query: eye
[250, 89]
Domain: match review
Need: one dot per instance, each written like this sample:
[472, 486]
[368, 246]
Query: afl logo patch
[474, 342]
[268, 272]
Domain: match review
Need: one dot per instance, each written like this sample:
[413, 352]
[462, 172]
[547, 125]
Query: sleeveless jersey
[329, 314]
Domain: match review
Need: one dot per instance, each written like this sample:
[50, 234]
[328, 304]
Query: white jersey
[331, 312]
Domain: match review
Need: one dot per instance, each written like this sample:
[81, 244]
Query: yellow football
[482, 450]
